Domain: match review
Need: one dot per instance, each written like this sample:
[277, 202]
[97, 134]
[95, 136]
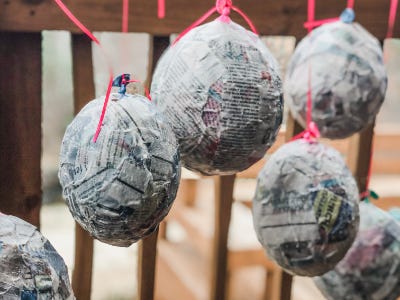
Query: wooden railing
[21, 23]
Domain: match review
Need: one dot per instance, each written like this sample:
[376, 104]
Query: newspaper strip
[122, 186]
[30, 268]
[348, 79]
[220, 89]
[371, 268]
[306, 208]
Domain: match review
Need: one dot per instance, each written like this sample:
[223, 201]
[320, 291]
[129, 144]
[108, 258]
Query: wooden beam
[20, 125]
[222, 216]
[147, 266]
[83, 93]
[285, 17]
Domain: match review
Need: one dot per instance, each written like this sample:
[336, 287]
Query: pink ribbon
[82, 27]
[312, 23]
[392, 18]
[161, 9]
[125, 15]
[223, 7]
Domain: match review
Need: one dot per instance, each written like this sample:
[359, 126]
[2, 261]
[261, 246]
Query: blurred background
[115, 268]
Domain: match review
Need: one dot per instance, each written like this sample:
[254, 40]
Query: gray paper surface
[30, 268]
[348, 79]
[371, 268]
[220, 90]
[122, 186]
[306, 208]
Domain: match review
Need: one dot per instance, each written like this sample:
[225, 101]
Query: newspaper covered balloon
[120, 187]
[306, 207]
[371, 268]
[30, 268]
[347, 76]
[220, 89]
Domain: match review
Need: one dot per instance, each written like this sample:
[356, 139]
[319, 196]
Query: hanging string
[350, 4]
[82, 27]
[311, 134]
[347, 16]
[392, 18]
[161, 9]
[125, 15]
[223, 7]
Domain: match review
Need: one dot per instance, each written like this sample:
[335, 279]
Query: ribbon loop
[223, 7]
[311, 134]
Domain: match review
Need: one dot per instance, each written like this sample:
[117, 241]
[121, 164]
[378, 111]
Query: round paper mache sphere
[347, 75]
[30, 268]
[120, 187]
[220, 90]
[371, 268]
[306, 208]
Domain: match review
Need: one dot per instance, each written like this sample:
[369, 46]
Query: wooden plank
[360, 154]
[20, 125]
[83, 93]
[245, 258]
[146, 266]
[386, 151]
[169, 282]
[148, 246]
[285, 17]
[292, 128]
[83, 264]
[189, 270]
[187, 191]
[272, 290]
[223, 205]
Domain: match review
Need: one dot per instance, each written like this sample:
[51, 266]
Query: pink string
[311, 23]
[350, 4]
[310, 13]
[223, 7]
[309, 97]
[125, 15]
[311, 134]
[104, 109]
[195, 24]
[76, 21]
[246, 18]
[82, 27]
[392, 18]
[161, 9]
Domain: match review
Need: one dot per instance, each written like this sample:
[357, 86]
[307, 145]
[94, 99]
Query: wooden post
[148, 246]
[223, 187]
[273, 284]
[83, 93]
[147, 266]
[359, 155]
[20, 125]
[292, 128]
